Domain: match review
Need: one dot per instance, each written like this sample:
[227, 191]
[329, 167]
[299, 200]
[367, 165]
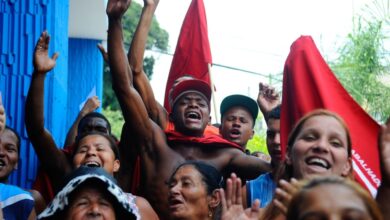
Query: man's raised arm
[247, 166]
[133, 109]
[136, 57]
[53, 160]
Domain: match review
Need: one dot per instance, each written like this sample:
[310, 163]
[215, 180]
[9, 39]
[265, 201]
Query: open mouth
[92, 164]
[192, 115]
[174, 202]
[318, 162]
[2, 163]
[234, 133]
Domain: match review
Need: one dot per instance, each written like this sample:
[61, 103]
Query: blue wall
[85, 73]
[21, 23]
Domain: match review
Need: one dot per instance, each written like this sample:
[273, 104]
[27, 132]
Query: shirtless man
[135, 57]
[161, 153]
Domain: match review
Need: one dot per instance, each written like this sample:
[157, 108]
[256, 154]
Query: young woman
[332, 197]
[318, 145]
[15, 202]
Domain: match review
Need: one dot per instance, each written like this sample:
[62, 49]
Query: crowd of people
[176, 165]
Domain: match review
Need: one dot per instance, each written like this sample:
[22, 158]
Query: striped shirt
[15, 202]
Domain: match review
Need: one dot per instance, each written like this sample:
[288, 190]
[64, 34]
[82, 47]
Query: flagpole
[213, 93]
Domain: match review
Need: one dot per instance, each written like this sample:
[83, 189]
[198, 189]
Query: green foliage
[258, 142]
[362, 65]
[148, 66]
[109, 99]
[116, 120]
[158, 39]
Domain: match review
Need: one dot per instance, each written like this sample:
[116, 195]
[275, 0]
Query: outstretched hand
[91, 105]
[268, 98]
[2, 116]
[384, 153]
[42, 62]
[284, 193]
[117, 8]
[232, 207]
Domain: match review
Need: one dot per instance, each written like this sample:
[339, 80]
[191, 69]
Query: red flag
[308, 84]
[192, 54]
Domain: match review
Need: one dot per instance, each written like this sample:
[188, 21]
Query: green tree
[116, 120]
[362, 65]
[157, 40]
[258, 142]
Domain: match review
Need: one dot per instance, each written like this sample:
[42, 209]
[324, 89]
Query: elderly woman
[91, 192]
[193, 191]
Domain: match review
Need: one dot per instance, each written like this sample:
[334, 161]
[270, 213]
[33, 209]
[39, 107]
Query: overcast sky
[255, 35]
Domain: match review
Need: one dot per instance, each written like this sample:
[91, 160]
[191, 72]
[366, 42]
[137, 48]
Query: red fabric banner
[308, 84]
[192, 54]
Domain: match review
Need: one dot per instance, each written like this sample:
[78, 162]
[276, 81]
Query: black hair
[274, 113]
[17, 136]
[93, 115]
[111, 140]
[210, 175]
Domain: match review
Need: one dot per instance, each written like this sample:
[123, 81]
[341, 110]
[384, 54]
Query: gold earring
[210, 212]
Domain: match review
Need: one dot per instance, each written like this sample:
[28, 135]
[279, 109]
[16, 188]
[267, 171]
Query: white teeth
[319, 162]
[192, 115]
[235, 132]
[92, 164]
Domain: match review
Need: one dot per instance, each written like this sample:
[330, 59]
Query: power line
[246, 71]
[228, 67]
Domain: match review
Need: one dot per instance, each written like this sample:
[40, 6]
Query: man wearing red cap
[162, 152]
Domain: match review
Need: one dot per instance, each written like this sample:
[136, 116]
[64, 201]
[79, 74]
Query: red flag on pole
[308, 84]
[192, 54]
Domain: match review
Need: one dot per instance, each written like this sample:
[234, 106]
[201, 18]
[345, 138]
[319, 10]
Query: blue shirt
[262, 188]
[16, 203]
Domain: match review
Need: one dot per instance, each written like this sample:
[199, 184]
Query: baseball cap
[191, 85]
[240, 100]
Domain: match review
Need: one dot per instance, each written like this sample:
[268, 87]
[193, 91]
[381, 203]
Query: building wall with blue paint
[21, 23]
[85, 74]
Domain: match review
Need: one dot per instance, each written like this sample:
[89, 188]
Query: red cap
[191, 85]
